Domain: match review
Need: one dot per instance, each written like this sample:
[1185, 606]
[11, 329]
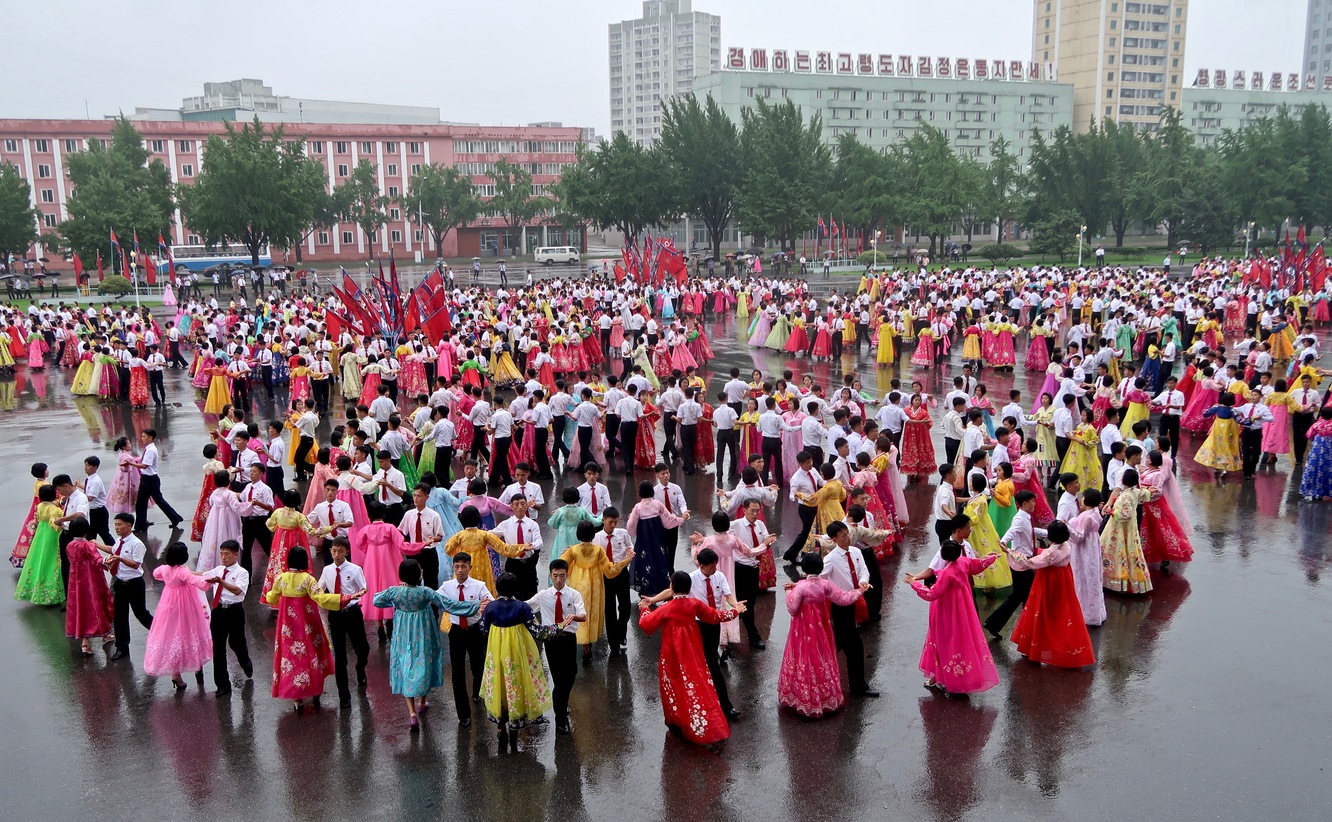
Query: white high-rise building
[657, 57]
[1318, 38]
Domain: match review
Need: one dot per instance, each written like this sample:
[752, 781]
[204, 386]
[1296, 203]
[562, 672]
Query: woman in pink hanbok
[866, 478]
[124, 491]
[662, 364]
[446, 362]
[412, 380]
[810, 682]
[698, 344]
[37, 349]
[956, 658]
[681, 359]
[40, 475]
[179, 640]
[616, 334]
[223, 522]
[1026, 475]
[1204, 396]
[1085, 551]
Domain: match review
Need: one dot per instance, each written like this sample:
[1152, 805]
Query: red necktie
[594, 500]
[337, 580]
[462, 597]
[753, 533]
[712, 596]
[115, 561]
[217, 595]
[850, 564]
[609, 553]
[666, 497]
[383, 492]
[559, 609]
[418, 527]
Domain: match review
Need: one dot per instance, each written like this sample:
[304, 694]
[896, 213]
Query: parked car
[550, 255]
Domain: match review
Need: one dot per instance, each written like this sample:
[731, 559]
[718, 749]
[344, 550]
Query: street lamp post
[1248, 235]
[1080, 233]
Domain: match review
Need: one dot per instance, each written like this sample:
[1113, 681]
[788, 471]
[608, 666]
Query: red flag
[836, 232]
[150, 269]
[1300, 239]
[619, 273]
[114, 241]
[125, 263]
[101, 275]
[412, 318]
[78, 267]
[1317, 269]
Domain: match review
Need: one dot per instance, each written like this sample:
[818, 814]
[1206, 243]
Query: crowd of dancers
[404, 485]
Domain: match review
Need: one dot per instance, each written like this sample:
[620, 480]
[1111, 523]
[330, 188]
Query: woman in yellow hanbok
[219, 390]
[478, 545]
[513, 684]
[742, 305]
[908, 326]
[1123, 566]
[351, 364]
[502, 369]
[83, 385]
[984, 541]
[829, 500]
[887, 350]
[875, 289]
[1220, 451]
[1281, 343]
[1083, 457]
[589, 568]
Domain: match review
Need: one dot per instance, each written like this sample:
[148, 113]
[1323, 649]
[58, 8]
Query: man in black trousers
[806, 481]
[1021, 539]
[467, 645]
[562, 608]
[227, 623]
[346, 624]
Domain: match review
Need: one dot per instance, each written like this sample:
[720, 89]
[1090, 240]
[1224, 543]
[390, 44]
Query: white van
[566, 254]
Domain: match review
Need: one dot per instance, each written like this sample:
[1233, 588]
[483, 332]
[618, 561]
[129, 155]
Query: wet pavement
[1206, 701]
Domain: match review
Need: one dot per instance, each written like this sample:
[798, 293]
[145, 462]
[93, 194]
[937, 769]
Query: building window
[1109, 76]
[393, 169]
[342, 169]
[367, 148]
[44, 172]
[48, 195]
[347, 238]
[317, 147]
[393, 191]
[11, 145]
[395, 236]
[390, 148]
[159, 146]
[341, 147]
[323, 238]
[185, 146]
[1114, 24]
[416, 169]
[71, 146]
[1109, 93]
[49, 220]
[43, 146]
[417, 235]
[187, 170]
[413, 148]
[395, 214]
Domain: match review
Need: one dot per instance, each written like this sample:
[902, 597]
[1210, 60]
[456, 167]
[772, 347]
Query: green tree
[1313, 145]
[865, 185]
[329, 208]
[937, 184]
[513, 198]
[439, 199]
[1073, 173]
[1207, 215]
[702, 148]
[1003, 186]
[365, 204]
[788, 172]
[18, 218]
[115, 187]
[561, 212]
[257, 189]
[1056, 234]
[1259, 179]
[1165, 188]
[619, 185]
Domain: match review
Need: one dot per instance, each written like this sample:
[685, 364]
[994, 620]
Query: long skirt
[301, 656]
[1051, 629]
[651, 566]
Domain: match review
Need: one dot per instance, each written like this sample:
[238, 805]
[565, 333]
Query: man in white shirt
[256, 503]
[736, 391]
[1307, 403]
[125, 562]
[331, 512]
[619, 546]
[150, 484]
[754, 537]
[521, 529]
[525, 488]
[845, 567]
[688, 415]
[99, 516]
[804, 483]
[1251, 417]
[390, 486]
[467, 644]
[423, 529]
[1170, 402]
[629, 410]
[671, 399]
[562, 607]
[1064, 422]
[592, 494]
[1020, 538]
[347, 623]
[724, 419]
[227, 620]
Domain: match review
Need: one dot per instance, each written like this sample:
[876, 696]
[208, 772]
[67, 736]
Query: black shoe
[315, 702]
[221, 692]
[118, 654]
[563, 728]
[864, 690]
[465, 722]
[175, 526]
[993, 633]
[360, 679]
[476, 698]
[144, 526]
[249, 671]
[344, 702]
[733, 712]
[503, 741]
[757, 644]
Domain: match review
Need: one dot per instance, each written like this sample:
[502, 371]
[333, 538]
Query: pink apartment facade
[40, 150]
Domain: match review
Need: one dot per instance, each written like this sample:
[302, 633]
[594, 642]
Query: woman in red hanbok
[412, 380]
[662, 365]
[705, 444]
[822, 340]
[1026, 475]
[917, 446]
[810, 681]
[592, 347]
[867, 479]
[290, 530]
[956, 657]
[89, 611]
[1204, 396]
[201, 510]
[688, 695]
[40, 475]
[698, 344]
[301, 656]
[645, 450]
[1165, 525]
[1051, 629]
[138, 392]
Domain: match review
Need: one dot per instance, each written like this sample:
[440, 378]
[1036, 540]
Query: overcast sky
[503, 62]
